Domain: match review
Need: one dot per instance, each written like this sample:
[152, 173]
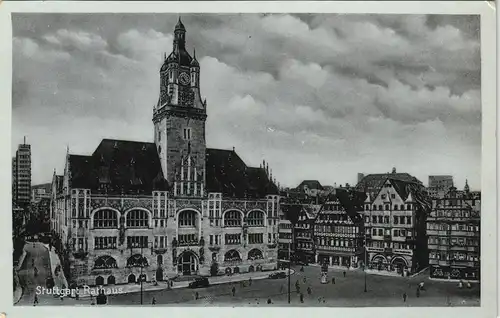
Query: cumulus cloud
[318, 96]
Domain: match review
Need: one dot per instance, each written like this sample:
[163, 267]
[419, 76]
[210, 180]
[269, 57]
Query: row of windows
[456, 214]
[453, 227]
[137, 241]
[162, 223]
[387, 207]
[217, 239]
[337, 229]
[385, 219]
[80, 223]
[394, 245]
[82, 244]
[255, 238]
[460, 241]
[106, 242]
[457, 256]
[304, 245]
[333, 217]
[187, 239]
[108, 219]
[334, 242]
[160, 242]
[232, 239]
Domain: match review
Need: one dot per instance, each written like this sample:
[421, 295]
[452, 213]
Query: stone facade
[154, 211]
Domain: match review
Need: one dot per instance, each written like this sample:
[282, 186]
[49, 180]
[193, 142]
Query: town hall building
[148, 211]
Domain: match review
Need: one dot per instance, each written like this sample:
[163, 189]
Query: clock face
[184, 79]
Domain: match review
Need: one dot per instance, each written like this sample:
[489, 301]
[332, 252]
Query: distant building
[40, 191]
[360, 177]
[21, 175]
[372, 183]
[453, 230]
[304, 234]
[338, 235]
[439, 186]
[395, 227]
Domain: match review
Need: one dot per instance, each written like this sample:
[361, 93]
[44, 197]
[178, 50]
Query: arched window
[395, 207]
[402, 206]
[137, 261]
[374, 207]
[187, 218]
[105, 219]
[380, 207]
[105, 262]
[232, 218]
[137, 218]
[255, 254]
[255, 218]
[387, 207]
[232, 256]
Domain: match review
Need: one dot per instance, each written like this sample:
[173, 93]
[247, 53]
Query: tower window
[187, 133]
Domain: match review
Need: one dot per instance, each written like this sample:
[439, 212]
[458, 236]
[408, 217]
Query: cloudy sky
[317, 96]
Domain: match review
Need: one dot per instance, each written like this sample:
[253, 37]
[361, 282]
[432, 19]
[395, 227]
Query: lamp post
[142, 264]
[366, 259]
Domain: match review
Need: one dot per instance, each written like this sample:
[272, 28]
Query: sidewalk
[134, 288]
[60, 279]
[337, 267]
[18, 293]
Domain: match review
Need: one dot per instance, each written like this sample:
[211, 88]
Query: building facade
[453, 231]
[304, 234]
[338, 238]
[150, 211]
[395, 228]
[21, 175]
[372, 183]
[439, 186]
[40, 191]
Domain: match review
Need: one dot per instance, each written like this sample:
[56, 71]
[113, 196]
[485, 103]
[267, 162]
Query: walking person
[418, 292]
[301, 298]
[35, 302]
[309, 290]
[197, 296]
[305, 279]
[153, 302]
[36, 271]
[233, 290]
[250, 281]
[404, 297]
[333, 280]
[344, 273]
[269, 301]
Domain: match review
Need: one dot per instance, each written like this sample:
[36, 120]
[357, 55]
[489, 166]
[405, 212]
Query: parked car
[277, 275]
[199, 282]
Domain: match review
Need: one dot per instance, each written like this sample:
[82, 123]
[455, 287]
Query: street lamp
[142, 263]
[366, 259]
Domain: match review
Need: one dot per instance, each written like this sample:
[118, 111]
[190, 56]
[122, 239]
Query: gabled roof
[415, 191]
[118, 166]
[311, 184]
[352, 202]
[228, 174]
[377, 180]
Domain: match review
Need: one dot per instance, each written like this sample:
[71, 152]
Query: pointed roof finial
[179, 25]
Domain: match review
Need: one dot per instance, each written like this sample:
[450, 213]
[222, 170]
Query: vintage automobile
[199, 282]
[277, 275]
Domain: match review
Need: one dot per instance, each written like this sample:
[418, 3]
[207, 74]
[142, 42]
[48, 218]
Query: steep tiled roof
[311, 184]
[228, 174]
[119, 166]
[377, 180]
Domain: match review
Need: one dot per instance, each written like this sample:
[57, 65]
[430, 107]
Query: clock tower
[179, 120]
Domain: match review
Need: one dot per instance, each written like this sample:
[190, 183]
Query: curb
[292, 271]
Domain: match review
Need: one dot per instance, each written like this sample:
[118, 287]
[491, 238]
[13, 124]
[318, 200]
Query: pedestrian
[153, 302]
[418, 292]
[309, 290]
[233, 290]
[35, 302]
[404, 297]
[301, 297]
[36, 271]
[250, 281]
[297, 288]
[333, 280]
[196, 296]
[304, 279]
[344, 273]
[269, 301]
[32, 262]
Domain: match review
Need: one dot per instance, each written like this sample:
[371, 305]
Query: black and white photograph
[250, 159]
